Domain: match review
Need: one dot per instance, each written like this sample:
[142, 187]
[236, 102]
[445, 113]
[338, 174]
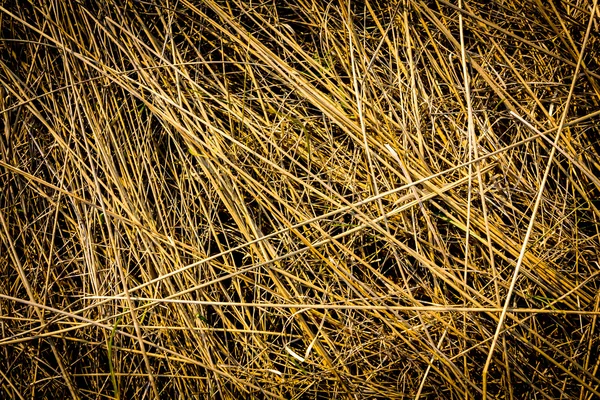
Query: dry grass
[299, 199]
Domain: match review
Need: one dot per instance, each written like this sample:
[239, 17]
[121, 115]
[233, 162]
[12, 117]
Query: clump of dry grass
[299, 199]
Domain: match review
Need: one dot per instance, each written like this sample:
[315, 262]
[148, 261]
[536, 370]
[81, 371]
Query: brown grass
[299, 199]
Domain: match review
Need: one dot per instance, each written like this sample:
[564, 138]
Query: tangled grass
[299, 199]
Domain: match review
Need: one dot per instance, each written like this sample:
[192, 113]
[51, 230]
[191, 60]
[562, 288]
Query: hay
[299, 199]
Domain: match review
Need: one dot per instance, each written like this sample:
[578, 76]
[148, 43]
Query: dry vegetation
[299, 199]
